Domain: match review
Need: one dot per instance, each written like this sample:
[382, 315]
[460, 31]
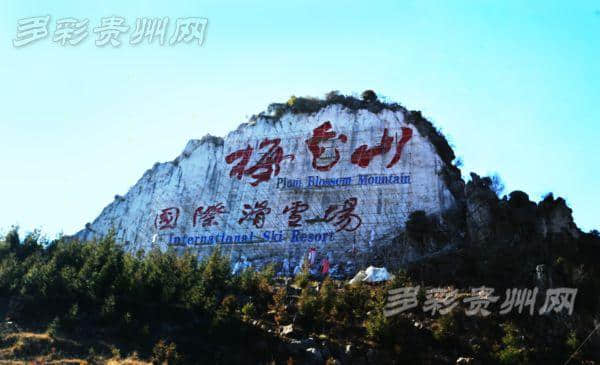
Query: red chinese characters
[324, 155]
[344, 216]
[208, 215]
[269, 162]
[363, 155]
[320, 134]
[406, 136]
[266, 167]
[167, 218]
[244, 155]
[295, 210]
[257, 213]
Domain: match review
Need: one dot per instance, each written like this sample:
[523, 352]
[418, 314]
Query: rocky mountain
[334, 178]
[342, 183]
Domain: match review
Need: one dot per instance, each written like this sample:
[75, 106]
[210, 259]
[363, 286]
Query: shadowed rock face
[480, 203]
[514, 217]
[339, 180]
[556, 217]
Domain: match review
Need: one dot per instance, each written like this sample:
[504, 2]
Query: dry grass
[36, 348]
[127, 361]
[25, 344]
[41, 348]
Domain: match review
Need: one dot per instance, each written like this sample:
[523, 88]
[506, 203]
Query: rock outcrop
[322, 180]
[480, 205]
[556, 217]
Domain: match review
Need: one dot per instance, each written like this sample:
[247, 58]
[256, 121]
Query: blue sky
[514, 86]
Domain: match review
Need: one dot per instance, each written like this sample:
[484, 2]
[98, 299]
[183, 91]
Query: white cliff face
[345, 201]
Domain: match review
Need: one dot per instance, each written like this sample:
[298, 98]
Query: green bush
[267, 274]
[352, 304]
[67, 285]
[164, 353]
[99, 281]
[369, 96]
[228, 307]
[327, 297]
[378, 327]
[385, 331]
[308, 308]
[303, 278]
[446, 327]
[248, 310]
[279, 306]
[572, 341]
[54, 327]
[514, 350]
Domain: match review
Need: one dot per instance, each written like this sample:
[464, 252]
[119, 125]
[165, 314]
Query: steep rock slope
[328, 178]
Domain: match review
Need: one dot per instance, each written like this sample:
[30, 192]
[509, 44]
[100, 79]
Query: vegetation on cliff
[97, 303]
